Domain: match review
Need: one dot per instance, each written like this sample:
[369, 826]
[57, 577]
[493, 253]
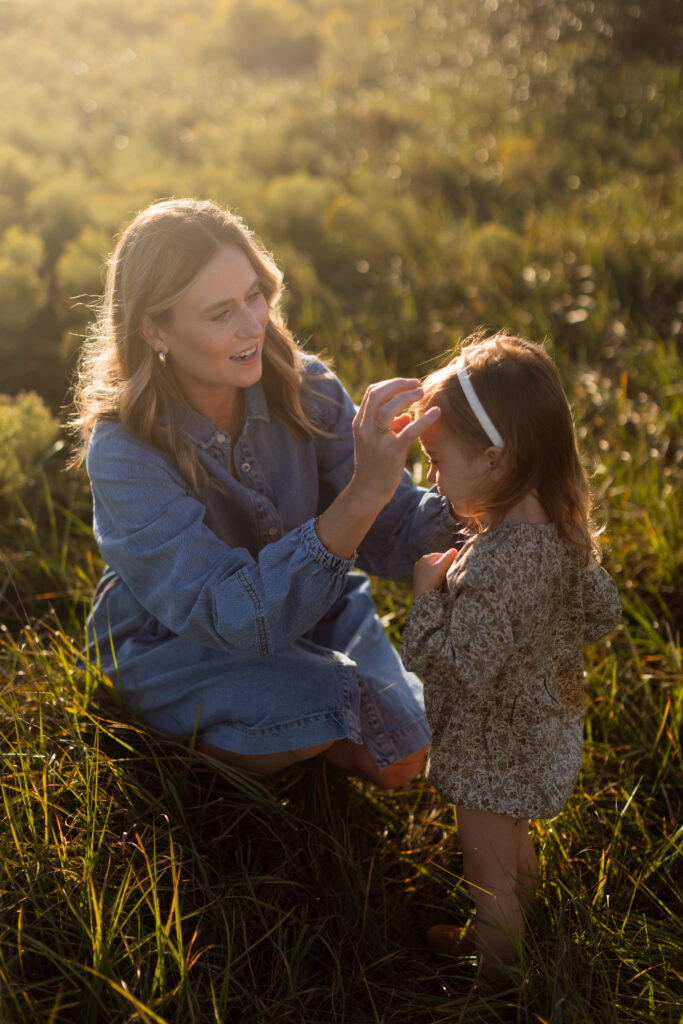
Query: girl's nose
[431, 475]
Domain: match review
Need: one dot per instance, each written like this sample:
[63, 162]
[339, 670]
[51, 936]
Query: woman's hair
[157, 257]
[520, 390]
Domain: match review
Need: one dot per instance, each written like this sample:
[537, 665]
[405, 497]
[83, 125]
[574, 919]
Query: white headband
[476, 406]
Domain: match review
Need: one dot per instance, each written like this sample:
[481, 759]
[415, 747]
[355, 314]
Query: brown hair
[518, 385]
[157, 257]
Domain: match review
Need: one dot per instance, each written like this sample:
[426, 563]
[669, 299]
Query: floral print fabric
[500, 655]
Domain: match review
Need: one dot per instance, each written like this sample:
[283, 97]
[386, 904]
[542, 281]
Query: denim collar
[203, 431]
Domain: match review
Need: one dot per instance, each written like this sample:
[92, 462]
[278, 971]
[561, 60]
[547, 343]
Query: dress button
[246, 466]
[221, 438]
[273, 531]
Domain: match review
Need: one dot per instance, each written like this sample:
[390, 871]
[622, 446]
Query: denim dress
[224, 617]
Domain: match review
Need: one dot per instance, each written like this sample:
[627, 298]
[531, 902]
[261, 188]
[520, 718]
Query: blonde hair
[120, 377]
[519, 387]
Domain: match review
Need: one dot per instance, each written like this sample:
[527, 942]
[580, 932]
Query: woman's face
[215, 339]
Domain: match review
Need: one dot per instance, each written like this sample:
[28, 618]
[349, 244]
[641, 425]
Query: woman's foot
[450, 940]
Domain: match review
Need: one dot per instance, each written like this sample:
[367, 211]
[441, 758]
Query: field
[418, 170]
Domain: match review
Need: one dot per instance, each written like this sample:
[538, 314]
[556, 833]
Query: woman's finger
[416, 427]
[388, 397]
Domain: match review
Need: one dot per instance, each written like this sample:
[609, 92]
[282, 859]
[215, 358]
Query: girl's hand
[382, 433]
[430, 571]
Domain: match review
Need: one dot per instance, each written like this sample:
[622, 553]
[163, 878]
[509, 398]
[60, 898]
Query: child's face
[457, 475]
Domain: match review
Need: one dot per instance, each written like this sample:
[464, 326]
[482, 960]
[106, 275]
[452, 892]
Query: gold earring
[162, 358]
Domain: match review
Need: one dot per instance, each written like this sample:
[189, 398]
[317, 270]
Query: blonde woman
[235, 489]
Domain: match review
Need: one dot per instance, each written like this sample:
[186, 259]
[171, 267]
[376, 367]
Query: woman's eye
[222, 315]
[255, 295]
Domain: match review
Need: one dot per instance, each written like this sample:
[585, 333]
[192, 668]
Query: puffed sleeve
[601, 605]
[150, 529]
[462, 638]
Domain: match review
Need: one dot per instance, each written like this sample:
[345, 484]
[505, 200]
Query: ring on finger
[383, 430]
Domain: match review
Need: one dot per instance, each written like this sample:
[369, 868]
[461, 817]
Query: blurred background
[417, 168]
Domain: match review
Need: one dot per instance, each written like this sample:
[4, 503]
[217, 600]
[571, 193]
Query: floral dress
[500, 655]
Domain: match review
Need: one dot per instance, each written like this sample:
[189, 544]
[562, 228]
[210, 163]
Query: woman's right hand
[383, 432]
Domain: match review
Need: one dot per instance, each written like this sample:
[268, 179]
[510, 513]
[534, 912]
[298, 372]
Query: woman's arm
[412, 521]
[382, 435]
[150, 529]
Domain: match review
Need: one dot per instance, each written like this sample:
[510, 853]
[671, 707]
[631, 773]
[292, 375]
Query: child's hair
[519, 388]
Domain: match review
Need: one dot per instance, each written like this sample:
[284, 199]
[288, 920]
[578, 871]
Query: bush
[22, 291]
[27, 429]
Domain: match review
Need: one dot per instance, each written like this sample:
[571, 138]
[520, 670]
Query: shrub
[27, 429]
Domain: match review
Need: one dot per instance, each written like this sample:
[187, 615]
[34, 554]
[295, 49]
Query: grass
[141, 883]
[507, 163]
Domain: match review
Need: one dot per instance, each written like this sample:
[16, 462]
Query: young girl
[500, 647]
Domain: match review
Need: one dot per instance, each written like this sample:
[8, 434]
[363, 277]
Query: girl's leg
[494, 851]
[527, 871]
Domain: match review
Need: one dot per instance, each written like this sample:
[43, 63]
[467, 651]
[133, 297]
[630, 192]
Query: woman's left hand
[383, 433]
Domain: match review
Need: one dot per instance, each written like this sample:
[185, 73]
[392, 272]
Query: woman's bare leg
[352, 758]
[355, 759]
[264, 764]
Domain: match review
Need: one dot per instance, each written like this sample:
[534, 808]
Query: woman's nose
[431, 476]
[248, 324]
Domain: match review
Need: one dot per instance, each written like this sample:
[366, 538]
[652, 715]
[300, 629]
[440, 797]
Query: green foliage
[418, 169]
[27, 429]
[270, 37]
[22, 291]
[407, 141]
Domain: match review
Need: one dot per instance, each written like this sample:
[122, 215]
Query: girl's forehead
[432, 436]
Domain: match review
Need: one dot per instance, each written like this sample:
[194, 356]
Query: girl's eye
[255, 295]
[222, 315]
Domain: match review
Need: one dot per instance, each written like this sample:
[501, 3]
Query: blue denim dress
[224, 616]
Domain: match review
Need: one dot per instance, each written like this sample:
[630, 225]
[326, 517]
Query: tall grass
[141, 882]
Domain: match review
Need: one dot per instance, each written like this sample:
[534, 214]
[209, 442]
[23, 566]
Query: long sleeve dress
[224, 615]
[500, 655]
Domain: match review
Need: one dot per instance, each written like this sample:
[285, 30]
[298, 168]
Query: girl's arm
[601, 605]
[464, 636]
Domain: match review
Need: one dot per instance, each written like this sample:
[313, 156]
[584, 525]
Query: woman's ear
[152, 334]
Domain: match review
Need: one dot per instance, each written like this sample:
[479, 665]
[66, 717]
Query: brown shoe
[450, 940]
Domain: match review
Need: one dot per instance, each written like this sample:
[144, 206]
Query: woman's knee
[401, 772]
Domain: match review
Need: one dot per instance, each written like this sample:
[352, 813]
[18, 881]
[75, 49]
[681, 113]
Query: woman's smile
[247, 355]
[216, 335]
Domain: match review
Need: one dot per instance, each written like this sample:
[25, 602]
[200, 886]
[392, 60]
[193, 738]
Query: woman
[230, 509]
